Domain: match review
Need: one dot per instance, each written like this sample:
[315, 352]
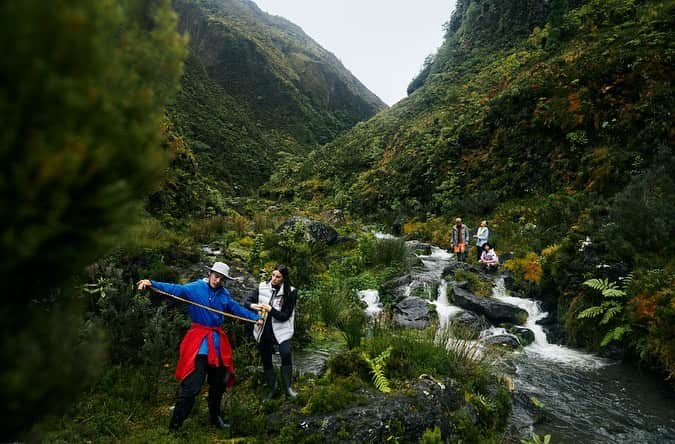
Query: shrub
[385, 252]
[526, 268]
[432, 436]
[332, 395]
[80, 150]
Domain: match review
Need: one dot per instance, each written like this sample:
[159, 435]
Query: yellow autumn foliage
[527, 268]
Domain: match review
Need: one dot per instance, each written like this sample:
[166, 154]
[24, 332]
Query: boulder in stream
[420, 248]
[411, 312]
[505, 340]
[495, 311]
[525, 335]
[471, 321]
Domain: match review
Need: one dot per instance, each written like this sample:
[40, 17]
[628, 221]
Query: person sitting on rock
[489, 258]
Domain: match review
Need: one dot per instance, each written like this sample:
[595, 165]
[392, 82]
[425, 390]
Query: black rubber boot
[272, 386]
[218, 422]
[180, 411]
[214, 412]
[287, 375]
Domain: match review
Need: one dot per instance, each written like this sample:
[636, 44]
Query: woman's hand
[255, 307]
[143, 284]
[266, 307]
[260, 322]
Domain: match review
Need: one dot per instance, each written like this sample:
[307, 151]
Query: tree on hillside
[83, 86]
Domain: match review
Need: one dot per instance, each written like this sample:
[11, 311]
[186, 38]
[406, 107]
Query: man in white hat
[205, 349]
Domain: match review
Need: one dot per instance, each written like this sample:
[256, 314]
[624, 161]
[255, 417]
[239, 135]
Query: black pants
[266, 349]
[192, 385]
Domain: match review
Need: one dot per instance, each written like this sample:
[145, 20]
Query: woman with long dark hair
[277, 298]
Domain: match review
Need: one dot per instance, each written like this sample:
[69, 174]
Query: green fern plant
[536, 439]
[611, 308]
[377, 369]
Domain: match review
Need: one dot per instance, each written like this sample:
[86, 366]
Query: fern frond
[615, 335]
[613, 293]
[591, 312]
[610, 313]
[383, 356]
[380, 380]
[377, 369]
[597, 284]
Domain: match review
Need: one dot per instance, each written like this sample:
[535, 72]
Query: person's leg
[266, 349]
[189, 389]
[287, 367]
[217, 385]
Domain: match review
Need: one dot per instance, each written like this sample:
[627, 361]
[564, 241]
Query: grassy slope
[556, 131]
[566, 107]
[256, 85]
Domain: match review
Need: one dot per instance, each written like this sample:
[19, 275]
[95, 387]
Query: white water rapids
[587, 399]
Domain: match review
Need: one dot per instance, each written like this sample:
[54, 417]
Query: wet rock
[505, 340]
[495, 311]
[525, 335]
[420, 248]
[345, 240]
[472, 322]
[555, 332]
[411, 312]
[397, 287]
[426, 404]
[453, 266]
[315, 231]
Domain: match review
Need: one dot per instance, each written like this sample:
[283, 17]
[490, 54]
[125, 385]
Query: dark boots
[181, 411]
[272, 386]
[287, 375]
[214, 410]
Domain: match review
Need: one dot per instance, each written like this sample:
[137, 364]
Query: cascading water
[587, 399]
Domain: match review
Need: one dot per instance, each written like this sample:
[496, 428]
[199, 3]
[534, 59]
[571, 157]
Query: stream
[585, 398]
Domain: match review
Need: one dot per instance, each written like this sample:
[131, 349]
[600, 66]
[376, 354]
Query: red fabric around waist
[190, 346]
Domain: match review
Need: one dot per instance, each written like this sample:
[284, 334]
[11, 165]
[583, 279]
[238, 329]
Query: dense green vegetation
[80, 147]
[131, 400]
[256, 87]
[551, 119]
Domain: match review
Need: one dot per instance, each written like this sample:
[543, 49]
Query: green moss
[334, 394]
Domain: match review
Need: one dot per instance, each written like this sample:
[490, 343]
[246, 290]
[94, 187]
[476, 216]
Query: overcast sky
[382, 42]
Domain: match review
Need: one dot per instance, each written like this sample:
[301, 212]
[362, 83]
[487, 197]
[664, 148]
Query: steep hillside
[256, 85]
[522, 99]
[552, 119]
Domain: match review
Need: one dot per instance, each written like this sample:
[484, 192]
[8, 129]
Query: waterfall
[541, 346]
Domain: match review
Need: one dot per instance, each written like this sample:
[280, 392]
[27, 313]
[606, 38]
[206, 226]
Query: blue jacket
[201, 293]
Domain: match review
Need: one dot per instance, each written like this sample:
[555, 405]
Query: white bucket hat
[222, 268]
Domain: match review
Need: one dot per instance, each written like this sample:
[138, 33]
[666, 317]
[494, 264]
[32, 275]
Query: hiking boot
[219, 423]
[287, 375]
[272, 386]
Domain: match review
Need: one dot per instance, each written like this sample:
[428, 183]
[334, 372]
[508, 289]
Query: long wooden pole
[205, 307]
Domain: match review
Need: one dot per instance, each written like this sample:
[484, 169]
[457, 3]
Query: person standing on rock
[481, 236]
[460, 239]
[277, 298]
[205, 349]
